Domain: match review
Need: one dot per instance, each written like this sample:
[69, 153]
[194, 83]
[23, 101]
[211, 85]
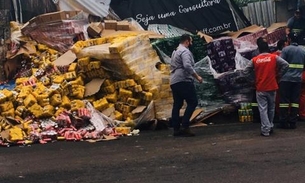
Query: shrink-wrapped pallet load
[129, 60]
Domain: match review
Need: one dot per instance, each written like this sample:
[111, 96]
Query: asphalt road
[220, 154]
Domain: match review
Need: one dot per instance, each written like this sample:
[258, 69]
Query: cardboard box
[254, 36]
[245, 31]
[35, 21]
[73, 13]
[108, 32]
[111, 24]
[276, 26]
[57, 16]
[123, 25]
[95, 29]
[276, 35]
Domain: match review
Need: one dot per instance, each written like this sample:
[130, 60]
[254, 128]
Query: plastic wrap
[128, 57]
[167, 30]
[147, 115]
[246, 49]
[168, 45]
[58, 35]
[240, 61]
[164, 103]
[234, 88]
[208, 93]
[98, 119]
[131, 58]
[163, 57]
[98, 52]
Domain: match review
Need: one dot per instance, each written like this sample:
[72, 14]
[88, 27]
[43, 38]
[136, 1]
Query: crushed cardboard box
[53, 17]
[122, 25]
[111, 24]
[95, 29]
[245, 31]
[276, 26]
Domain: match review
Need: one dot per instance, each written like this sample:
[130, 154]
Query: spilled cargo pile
[51, 101]
[76, 80]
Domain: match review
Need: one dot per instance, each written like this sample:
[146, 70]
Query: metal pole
[20, 11]
[298, 5]
[16, 10]
[233, 14]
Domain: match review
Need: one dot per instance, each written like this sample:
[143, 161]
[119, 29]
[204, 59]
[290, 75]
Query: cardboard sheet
[108, 112]
[245, 31]
[195, 114]
[66, 59]
[93, 87]
[138, 110]
[207, 38]
[26, 48]
[276, 26]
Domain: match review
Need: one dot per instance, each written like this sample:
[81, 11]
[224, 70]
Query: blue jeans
[183, 91]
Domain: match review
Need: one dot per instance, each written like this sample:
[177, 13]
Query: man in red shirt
[266, 66]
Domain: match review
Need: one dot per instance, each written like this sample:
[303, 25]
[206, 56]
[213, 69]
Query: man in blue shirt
[181, 81]
[291, 82]
[296, 25]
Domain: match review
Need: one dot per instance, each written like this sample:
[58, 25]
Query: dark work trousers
[183, 91]
[289, 102]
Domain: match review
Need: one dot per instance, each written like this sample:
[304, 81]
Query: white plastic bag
[98, 119]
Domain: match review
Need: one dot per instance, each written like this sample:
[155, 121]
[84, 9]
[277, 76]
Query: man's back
[182, 63]
[294, 23]
[265, 72]
[295, 56]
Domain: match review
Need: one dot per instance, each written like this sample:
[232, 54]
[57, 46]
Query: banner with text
[208, 16]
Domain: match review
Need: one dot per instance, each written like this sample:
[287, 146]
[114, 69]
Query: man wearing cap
[296, 25]
[291, 82]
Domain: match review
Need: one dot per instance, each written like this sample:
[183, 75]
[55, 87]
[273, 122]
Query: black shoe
[293, 126]
[187, 133]
[265, 135]
[283, 126]
[177, 133]
[271, 131]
